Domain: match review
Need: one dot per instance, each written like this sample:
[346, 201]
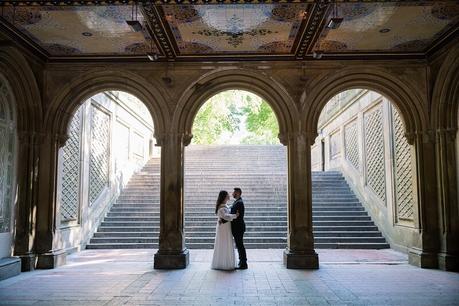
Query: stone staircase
[339, 219]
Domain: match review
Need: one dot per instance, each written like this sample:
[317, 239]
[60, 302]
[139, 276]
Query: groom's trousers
[239, 240]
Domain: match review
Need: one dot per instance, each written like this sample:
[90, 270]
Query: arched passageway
[8, 173]
[407, 102]
[367, 160]
[173, 252]
[235, 144]
[108, 176]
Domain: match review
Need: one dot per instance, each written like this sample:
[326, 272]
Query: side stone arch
[445, 108]
[28, 113]
[24, 88]
[410, 102]
[56, 122]
[407, 99]
[226, 79]
[67, 101]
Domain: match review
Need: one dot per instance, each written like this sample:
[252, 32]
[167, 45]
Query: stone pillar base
[448, 262]
[28, 262]
[51, 259]
[172, 260]
[419, 258]
[293, 260]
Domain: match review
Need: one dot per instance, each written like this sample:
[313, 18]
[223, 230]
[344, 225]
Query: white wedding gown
[224, 258]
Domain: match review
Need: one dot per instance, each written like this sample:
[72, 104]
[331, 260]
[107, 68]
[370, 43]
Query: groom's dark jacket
[238, 224]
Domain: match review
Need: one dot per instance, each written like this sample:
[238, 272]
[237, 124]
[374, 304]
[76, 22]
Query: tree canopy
[235, 117]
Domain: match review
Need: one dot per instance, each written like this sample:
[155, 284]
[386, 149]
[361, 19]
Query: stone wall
[110, 138]
[364, 137]
[7, 165]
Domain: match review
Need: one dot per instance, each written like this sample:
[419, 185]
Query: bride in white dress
[223, 258]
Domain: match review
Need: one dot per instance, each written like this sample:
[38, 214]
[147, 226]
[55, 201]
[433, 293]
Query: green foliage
[261, 123]
[235, 116]
[217, 116]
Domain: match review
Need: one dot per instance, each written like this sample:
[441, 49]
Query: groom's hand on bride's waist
[222, 221]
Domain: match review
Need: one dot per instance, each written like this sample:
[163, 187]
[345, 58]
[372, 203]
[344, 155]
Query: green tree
[217, 116]
[261, 123]
[235, 111]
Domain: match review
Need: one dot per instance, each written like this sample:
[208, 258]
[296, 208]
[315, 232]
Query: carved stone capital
[426, 136]
[31, 138]
[449, 134]
[164, 138]
[287, 138]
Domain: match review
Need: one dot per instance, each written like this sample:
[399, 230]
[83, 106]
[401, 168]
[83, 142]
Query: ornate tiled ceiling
[389, 27]
[209, 29]
[235, 29]
[83, 30]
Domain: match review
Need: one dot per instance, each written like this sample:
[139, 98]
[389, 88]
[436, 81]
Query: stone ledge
[9, 267]
[172, 260]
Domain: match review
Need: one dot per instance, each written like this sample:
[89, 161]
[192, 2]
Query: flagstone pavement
[127, 277]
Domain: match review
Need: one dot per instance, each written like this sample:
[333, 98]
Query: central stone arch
[300, 252]
[444, 118]
[234, 78]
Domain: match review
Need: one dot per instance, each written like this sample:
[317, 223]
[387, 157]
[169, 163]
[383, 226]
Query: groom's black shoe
[242, 267]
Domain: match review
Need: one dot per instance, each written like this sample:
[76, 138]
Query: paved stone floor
[126, 277]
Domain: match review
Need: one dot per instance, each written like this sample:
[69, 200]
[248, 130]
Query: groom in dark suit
[238, 228]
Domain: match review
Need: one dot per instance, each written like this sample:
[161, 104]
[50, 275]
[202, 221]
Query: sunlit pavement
[127, 277]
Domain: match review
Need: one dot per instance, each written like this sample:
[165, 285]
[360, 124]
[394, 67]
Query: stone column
[27, 172]
[424, 251]
[448, 258]
[49, 255]
[300, 252]
[172, 253]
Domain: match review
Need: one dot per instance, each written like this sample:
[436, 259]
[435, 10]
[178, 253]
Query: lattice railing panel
[374, 149]
[71, 165]
[351, 144]
[99, 153]
[403, 170]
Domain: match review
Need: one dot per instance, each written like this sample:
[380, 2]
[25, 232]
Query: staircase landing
[339, 219]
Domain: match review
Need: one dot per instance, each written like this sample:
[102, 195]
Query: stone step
[354, 245]
[247, 240]
[247, 219]
[155, 234]
[247, 246]
[265, 211]
[317, 228]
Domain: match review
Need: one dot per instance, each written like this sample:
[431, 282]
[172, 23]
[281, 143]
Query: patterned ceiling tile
[389, 27]
[80, 30]
[235, 29]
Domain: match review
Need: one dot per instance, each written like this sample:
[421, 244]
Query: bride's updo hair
[221, 197]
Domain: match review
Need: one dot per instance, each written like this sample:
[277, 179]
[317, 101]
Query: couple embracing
[230, 224]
